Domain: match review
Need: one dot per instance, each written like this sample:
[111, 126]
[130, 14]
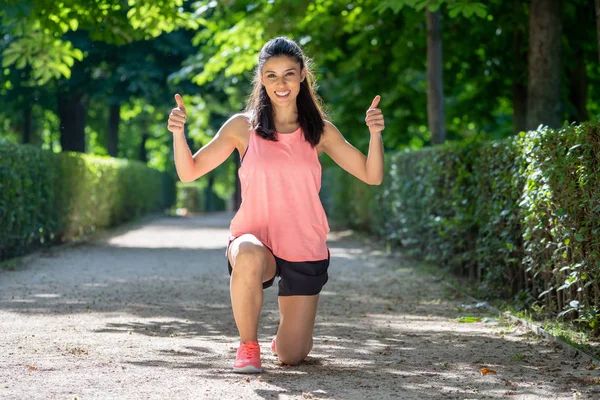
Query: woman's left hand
[374, 118]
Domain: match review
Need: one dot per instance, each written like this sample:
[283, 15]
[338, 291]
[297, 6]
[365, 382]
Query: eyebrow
[289, 69]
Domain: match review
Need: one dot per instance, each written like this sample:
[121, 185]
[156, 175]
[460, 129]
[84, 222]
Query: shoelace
[248, 349]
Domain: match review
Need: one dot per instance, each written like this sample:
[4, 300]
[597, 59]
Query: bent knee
[291, 358]
[250, 257]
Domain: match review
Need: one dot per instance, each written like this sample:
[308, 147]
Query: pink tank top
[280, 197]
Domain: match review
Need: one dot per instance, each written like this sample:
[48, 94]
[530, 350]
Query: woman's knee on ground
[250, 259]
[292, 354]
[292, 357]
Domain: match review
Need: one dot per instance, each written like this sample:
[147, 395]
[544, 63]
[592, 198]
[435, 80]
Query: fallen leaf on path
[588, 380]
[31, 368]
[466, 319]
[387, 351]
[307, 395]
[591, 366]
[485, 371]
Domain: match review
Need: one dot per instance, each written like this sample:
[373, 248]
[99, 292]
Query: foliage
[517, 215]
[47, 197]
[467, 8]
[561, 207]
[36, 29]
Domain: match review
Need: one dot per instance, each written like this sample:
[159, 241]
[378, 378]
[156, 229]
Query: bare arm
[368, 169]
[210, 156]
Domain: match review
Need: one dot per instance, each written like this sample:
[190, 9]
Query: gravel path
[143, 312]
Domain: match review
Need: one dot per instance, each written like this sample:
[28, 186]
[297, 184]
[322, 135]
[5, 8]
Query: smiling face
[281, 77]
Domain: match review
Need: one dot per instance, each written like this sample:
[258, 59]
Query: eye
[290, 73]
[271, 76]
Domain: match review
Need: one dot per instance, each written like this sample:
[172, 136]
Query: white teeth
[282, 94]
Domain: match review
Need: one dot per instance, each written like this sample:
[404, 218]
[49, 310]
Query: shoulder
[236, 127]
[238, 123]
[331, 134]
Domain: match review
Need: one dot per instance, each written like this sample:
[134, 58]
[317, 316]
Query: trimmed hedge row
[195, 197]
[48, 197]
[521, 216]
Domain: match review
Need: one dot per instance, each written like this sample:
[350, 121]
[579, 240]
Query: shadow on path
[146, 309]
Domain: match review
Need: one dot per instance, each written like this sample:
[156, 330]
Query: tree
[598, 26]
[579, 48]
[435, 79]
[36, 29]
[41, 37]
[543, 95]
[436, 115]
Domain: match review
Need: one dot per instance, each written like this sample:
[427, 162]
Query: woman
[281, 227]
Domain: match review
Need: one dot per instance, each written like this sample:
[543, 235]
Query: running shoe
[247, 360]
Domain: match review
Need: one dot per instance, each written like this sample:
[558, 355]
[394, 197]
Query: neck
[285, 115]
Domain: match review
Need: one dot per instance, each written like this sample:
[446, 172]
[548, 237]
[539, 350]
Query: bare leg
[252, 265]
[294, 336]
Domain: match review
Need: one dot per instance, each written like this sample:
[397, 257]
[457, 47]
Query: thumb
[375, 101]
[179, 101]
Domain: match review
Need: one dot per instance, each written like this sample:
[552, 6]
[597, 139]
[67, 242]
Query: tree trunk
[519, 86]
[598, 26]
[578, 88]
[209, 200]
[143, 154]
[27, 124]
[71, 112]
[435, 79]
[112, 140]
[543, 97]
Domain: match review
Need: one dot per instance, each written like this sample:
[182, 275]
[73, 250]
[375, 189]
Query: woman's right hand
[177, 117]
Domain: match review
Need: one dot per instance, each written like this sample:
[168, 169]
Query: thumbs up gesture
[177, 117]
[374, 118]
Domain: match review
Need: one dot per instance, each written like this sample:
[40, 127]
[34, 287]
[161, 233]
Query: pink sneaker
[247, 360]
[274, 347]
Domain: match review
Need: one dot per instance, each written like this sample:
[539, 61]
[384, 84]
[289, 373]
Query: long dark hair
[311, 116]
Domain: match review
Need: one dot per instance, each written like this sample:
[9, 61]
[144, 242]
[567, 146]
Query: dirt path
[143, 312]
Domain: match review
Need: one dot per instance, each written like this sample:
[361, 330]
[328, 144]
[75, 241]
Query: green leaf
[8, 60]
[468, 319]
[480, 10]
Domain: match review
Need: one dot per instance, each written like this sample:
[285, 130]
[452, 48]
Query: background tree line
[99, 77]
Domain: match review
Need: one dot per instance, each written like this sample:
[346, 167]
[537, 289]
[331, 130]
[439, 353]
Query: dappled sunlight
[379, 332]
[170, 238]
[328, 293]
[46, 295]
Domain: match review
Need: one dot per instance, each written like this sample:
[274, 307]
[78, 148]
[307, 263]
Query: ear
[303, 74]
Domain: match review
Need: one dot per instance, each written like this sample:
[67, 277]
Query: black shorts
[297, 278]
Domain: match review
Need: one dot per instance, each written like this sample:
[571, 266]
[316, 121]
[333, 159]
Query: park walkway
[143, 312]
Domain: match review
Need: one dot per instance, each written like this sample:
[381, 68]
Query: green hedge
[196, 197]
[47, 197]
[521, 216]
